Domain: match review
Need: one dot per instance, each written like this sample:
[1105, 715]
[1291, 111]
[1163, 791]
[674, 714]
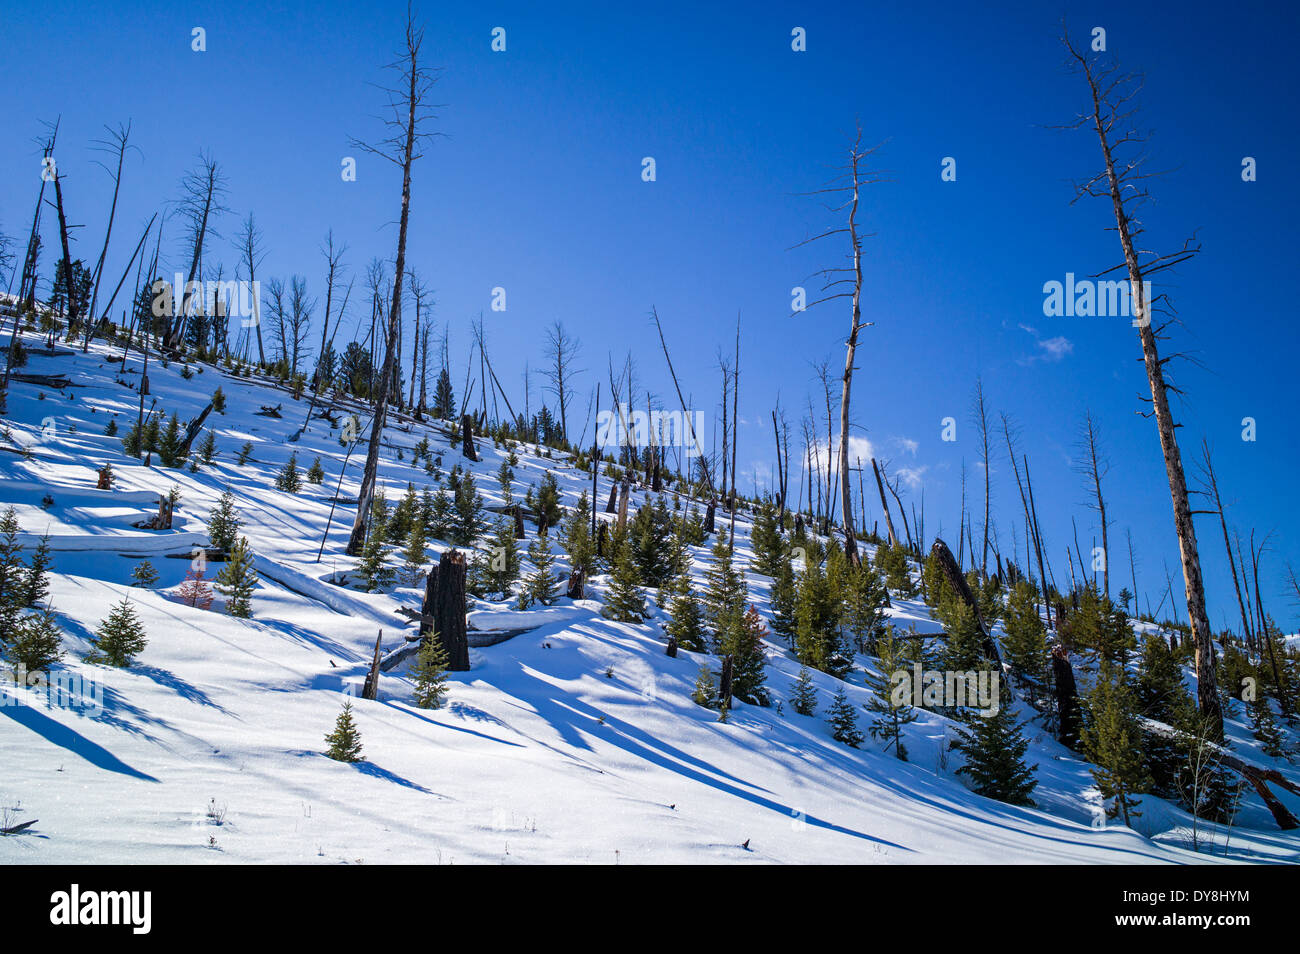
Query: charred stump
[1067, 698]
[443, 613]
[518, 513]
[724, 690]
[602, 535]
[710, 514]
[671, 651]
[612, 506]
[577, 584]
[105, 478]
[370, 690]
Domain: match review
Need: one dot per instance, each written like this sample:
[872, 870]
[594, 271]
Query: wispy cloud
[1050, 350]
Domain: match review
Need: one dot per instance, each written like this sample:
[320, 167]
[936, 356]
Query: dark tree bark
[370, 690]
[443, 611]
[1067, 698]
[467, 437]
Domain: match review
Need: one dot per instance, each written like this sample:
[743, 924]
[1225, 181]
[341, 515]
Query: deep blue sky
[536, 187]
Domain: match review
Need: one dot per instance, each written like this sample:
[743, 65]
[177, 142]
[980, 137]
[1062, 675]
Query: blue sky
[536, 186]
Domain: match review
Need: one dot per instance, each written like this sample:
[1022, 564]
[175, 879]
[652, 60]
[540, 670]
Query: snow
[575, 741]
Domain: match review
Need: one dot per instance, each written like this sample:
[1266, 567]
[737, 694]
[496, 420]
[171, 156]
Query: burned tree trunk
[467, 437]
[370, 690]
[884, 505]
[1067, 698]
[709, 515]
[724, 689]
[622, 505]
[443, 612]
[518, 513]
[960, 587]
[612, 506]
[671, 651]
[577, 584]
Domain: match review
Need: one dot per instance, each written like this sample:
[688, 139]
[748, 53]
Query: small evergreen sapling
[891, 707]
[345, 740]
[38, 574]
[39, 642]
[144, 574]
[290, 478]
[120, 637]
[804, 699]
[540, 586]
[223, 522]
[624, 603]
[316, 473]
[430, 674]
[844, 720]
[238, 579]
[995, 748]
[706, 690]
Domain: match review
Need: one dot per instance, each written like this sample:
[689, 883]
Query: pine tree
[245, 452]
[817, 638]
[171, 445]
[444, 400]
[120, 637]
[804, 699]
[195, 591]
[540, 586]
[783, 602]
[38, 574]
[290, 478]
[892, 561]
[765, 538]
[577, 537]
[238, 579]
[1024, 647]
[413, 556]
[316, 473]
[892, 708]
[496, 569]
[742, 640]
[467, 520]
[706, 690]
[652, 532]
[1159, 694]
[624, 602]
[725, 591]
[430, 673]
[373, 569]
[13, 576]
[208, 447]
[963, 649]
[862, 611]
[345, 740]
[1112, 741]
[1264, 727]
[995, 748]
[219, 400]
[38, 644]
[144, 574]
[686, 616]
[844, 720]
[224, 522]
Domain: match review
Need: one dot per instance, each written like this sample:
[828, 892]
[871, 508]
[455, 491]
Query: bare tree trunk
[1212, 484]
[884, 505]
[1116, 184]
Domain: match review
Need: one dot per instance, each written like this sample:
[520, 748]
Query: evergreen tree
[219, 400]
[38, 574]
[892, 561]
[238, 579]
[407, 512]
[290, 478]
[706, 690]
[686, 616]
[577, 537]
[208, 447]
[120, 637]
[1112, 741]
[316, 473]
[245, 452]
[144, 574]
[624, 603]
[430, 673]
[506, 478]
[891, 707]
[467, 521]
[862, 612]
[38, 643]
[171, 445]
[1159, 694]
[496, 569]
[783, 602]
[765, 538]
[345, 740]
[804, 699]
[844, 720]
[1264, 727]
[224, 522]
[1024, 647]
[995, 748]
[413, 556]
[817, 641]
[540, 587]
[742, 640]
[725, 591]
[444, 400]
[963, 649]
[372, 567]
[652, 532]
[440, 520]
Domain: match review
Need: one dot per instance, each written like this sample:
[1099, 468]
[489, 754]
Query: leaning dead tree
[411, 111]
[117, 143]
[1123, 180]
[848, 187]
[1093, 466]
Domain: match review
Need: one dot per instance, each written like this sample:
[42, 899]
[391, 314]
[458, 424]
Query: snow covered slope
[574, 742]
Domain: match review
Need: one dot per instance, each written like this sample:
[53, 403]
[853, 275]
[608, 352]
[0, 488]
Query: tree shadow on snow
[59, 734]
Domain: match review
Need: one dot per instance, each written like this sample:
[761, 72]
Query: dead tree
[1094, 467]
[980, 418]
[1212, 490]
[1111, 115]
[251, 253]
[117, 142]
[203, 192]
[411, 110]
[561, 351]
[855, 175]
[577, 584]
[961, 589]
[467, 437]
[1067, 698]
[884, 504]
[442, 615]
[686, 414]
[370, 689]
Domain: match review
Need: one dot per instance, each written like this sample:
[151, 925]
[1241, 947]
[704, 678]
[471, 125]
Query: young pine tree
[706, 690]
[414, 554]
[625, 602]
[686, 615]
[743, 641]
[345, 740]
[540, 586]
[430, 674]
[223, 522]
[373, 568]
[1112, 741]
[238, 579]
[13, 576]
[1024, 647]
[804, 699]
[144, 574]
[38, 643]
[37, 582]
[290, 477]
[844, 720]
[120, 637]
[995, 748]
[316, 473]
[890, 705]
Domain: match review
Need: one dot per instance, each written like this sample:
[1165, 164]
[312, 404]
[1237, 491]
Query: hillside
[574, 741]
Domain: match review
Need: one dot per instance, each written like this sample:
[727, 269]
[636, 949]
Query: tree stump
[163, 519]
[443, 613]
[370, 690]
[518, 513]
[1067, 698]
[671, 651]
[602, 534]
[709, 515]
[724, 689]
[577, 584]
[467, 438]
[105, 481]
[622, 505]
[613, 499]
